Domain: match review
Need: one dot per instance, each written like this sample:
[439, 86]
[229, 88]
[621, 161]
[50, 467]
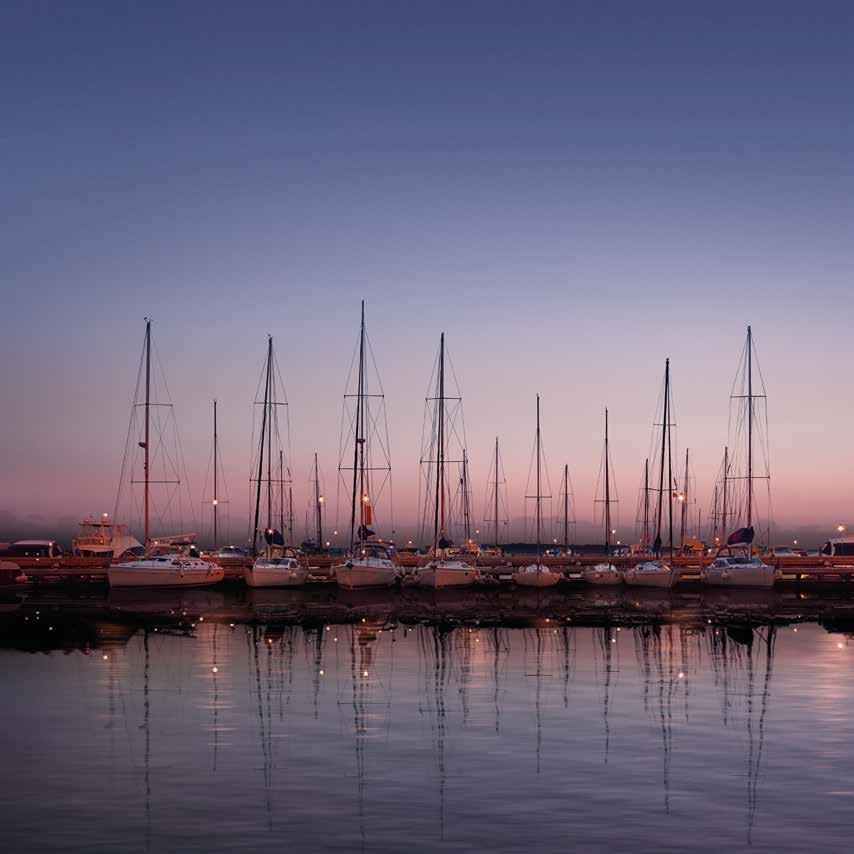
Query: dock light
[613, 530]
[335, 532]
[839, 646]
[681, 675]
[794, 542]
[364, 673]
[680, 496]
[321, 673]
[214, 669]
[105, 515]
[105, 656]
[840, 528]
[328, 544]
[320, 500]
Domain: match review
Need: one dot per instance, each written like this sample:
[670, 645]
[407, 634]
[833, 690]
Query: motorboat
[101, 538]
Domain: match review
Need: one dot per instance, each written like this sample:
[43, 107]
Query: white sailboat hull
[138, 574]
[365, 574]
[260, 575]
[747, 575]
[536, 576]
[651, 574]
[603, 574]
[451, 574]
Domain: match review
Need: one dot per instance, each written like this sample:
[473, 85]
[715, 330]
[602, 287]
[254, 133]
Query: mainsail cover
[273, 537]
[741, 537]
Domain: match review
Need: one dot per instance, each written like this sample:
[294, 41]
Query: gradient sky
[571, 191]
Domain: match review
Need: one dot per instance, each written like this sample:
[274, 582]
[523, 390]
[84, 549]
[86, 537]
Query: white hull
[137, 575]
[602, 573]
[536, 576]
[447, 575]
[364, 575]
[756, 575]
[274, 576]
[651, 574]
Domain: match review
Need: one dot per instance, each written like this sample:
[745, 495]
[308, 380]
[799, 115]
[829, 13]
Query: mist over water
[222, 721]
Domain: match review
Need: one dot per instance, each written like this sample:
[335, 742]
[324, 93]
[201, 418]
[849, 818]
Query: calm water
[299, 721]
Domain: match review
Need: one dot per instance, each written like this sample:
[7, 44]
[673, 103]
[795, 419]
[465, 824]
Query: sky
[571, 192]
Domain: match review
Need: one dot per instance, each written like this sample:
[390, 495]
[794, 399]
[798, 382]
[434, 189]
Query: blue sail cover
[741, 537]
[273, 537]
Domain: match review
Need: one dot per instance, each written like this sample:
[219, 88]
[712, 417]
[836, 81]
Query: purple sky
[571, 191]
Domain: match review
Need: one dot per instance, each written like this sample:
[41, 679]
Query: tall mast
[667, 425]
[684, 519]
[724, 513]
[539, 490]
[439, 519]
[664, 421]
[496, 491]
[749, 426]
[318, 503]
[466, 508]
[646, 519]
[270, 380]
[215, 499]
[290, 514]
[607, 491]
[358, 440]
[261, 453]
[565, 506]
[147, 417]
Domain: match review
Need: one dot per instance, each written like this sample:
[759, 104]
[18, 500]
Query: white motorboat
[651, 573]
[446, 572]
[736, 566]
[172, 569]
[102, 538]
[282, 567]
[602, 573]
[536, 575]
[373, 565]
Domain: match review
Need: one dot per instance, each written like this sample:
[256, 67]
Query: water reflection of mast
[497, 645]
[753, 767]
[318, 664]
[605, 641]
[263, 726]
[146, 706]
[215, 705]
[569, 655]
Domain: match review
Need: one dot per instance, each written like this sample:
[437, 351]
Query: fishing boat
[168, 561]
[736, 565]
[369, 563]
[536, 574]
[605, 573]
[277, 565]
[444, 568]
[656, 572]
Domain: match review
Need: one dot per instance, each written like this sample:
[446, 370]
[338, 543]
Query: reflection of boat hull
[602, 573]
[447, 575]
[259, 575]
[536, 576]
[651, 574]
[755, 575]
[140, 575]
[364, 574]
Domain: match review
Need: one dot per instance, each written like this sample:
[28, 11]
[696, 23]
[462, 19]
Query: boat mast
[607, 491]
[496, 492]
[290, 514]
[214, 480]
[749, 427]
[358, 440]
[566, 506]
[684, 519]
[645, 540]
[724, 509]
[261, 453]
[318, 504]
[439, 519]
[539, 490]
[663, 447]
[667, 425]
[466, 509]
[270, 380]
[147, 418]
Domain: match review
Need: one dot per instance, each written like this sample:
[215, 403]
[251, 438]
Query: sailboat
[443, 569]
[369, 563]
[605, 573]
[278, 565]
[735, 565]
[494, 505]
[656, 573]
[537, 575]
[169, 561]
[565, 500]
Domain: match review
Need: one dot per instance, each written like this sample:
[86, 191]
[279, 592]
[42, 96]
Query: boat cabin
[34, 549]
[735, 556]
[383, 551]
[840, 547]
